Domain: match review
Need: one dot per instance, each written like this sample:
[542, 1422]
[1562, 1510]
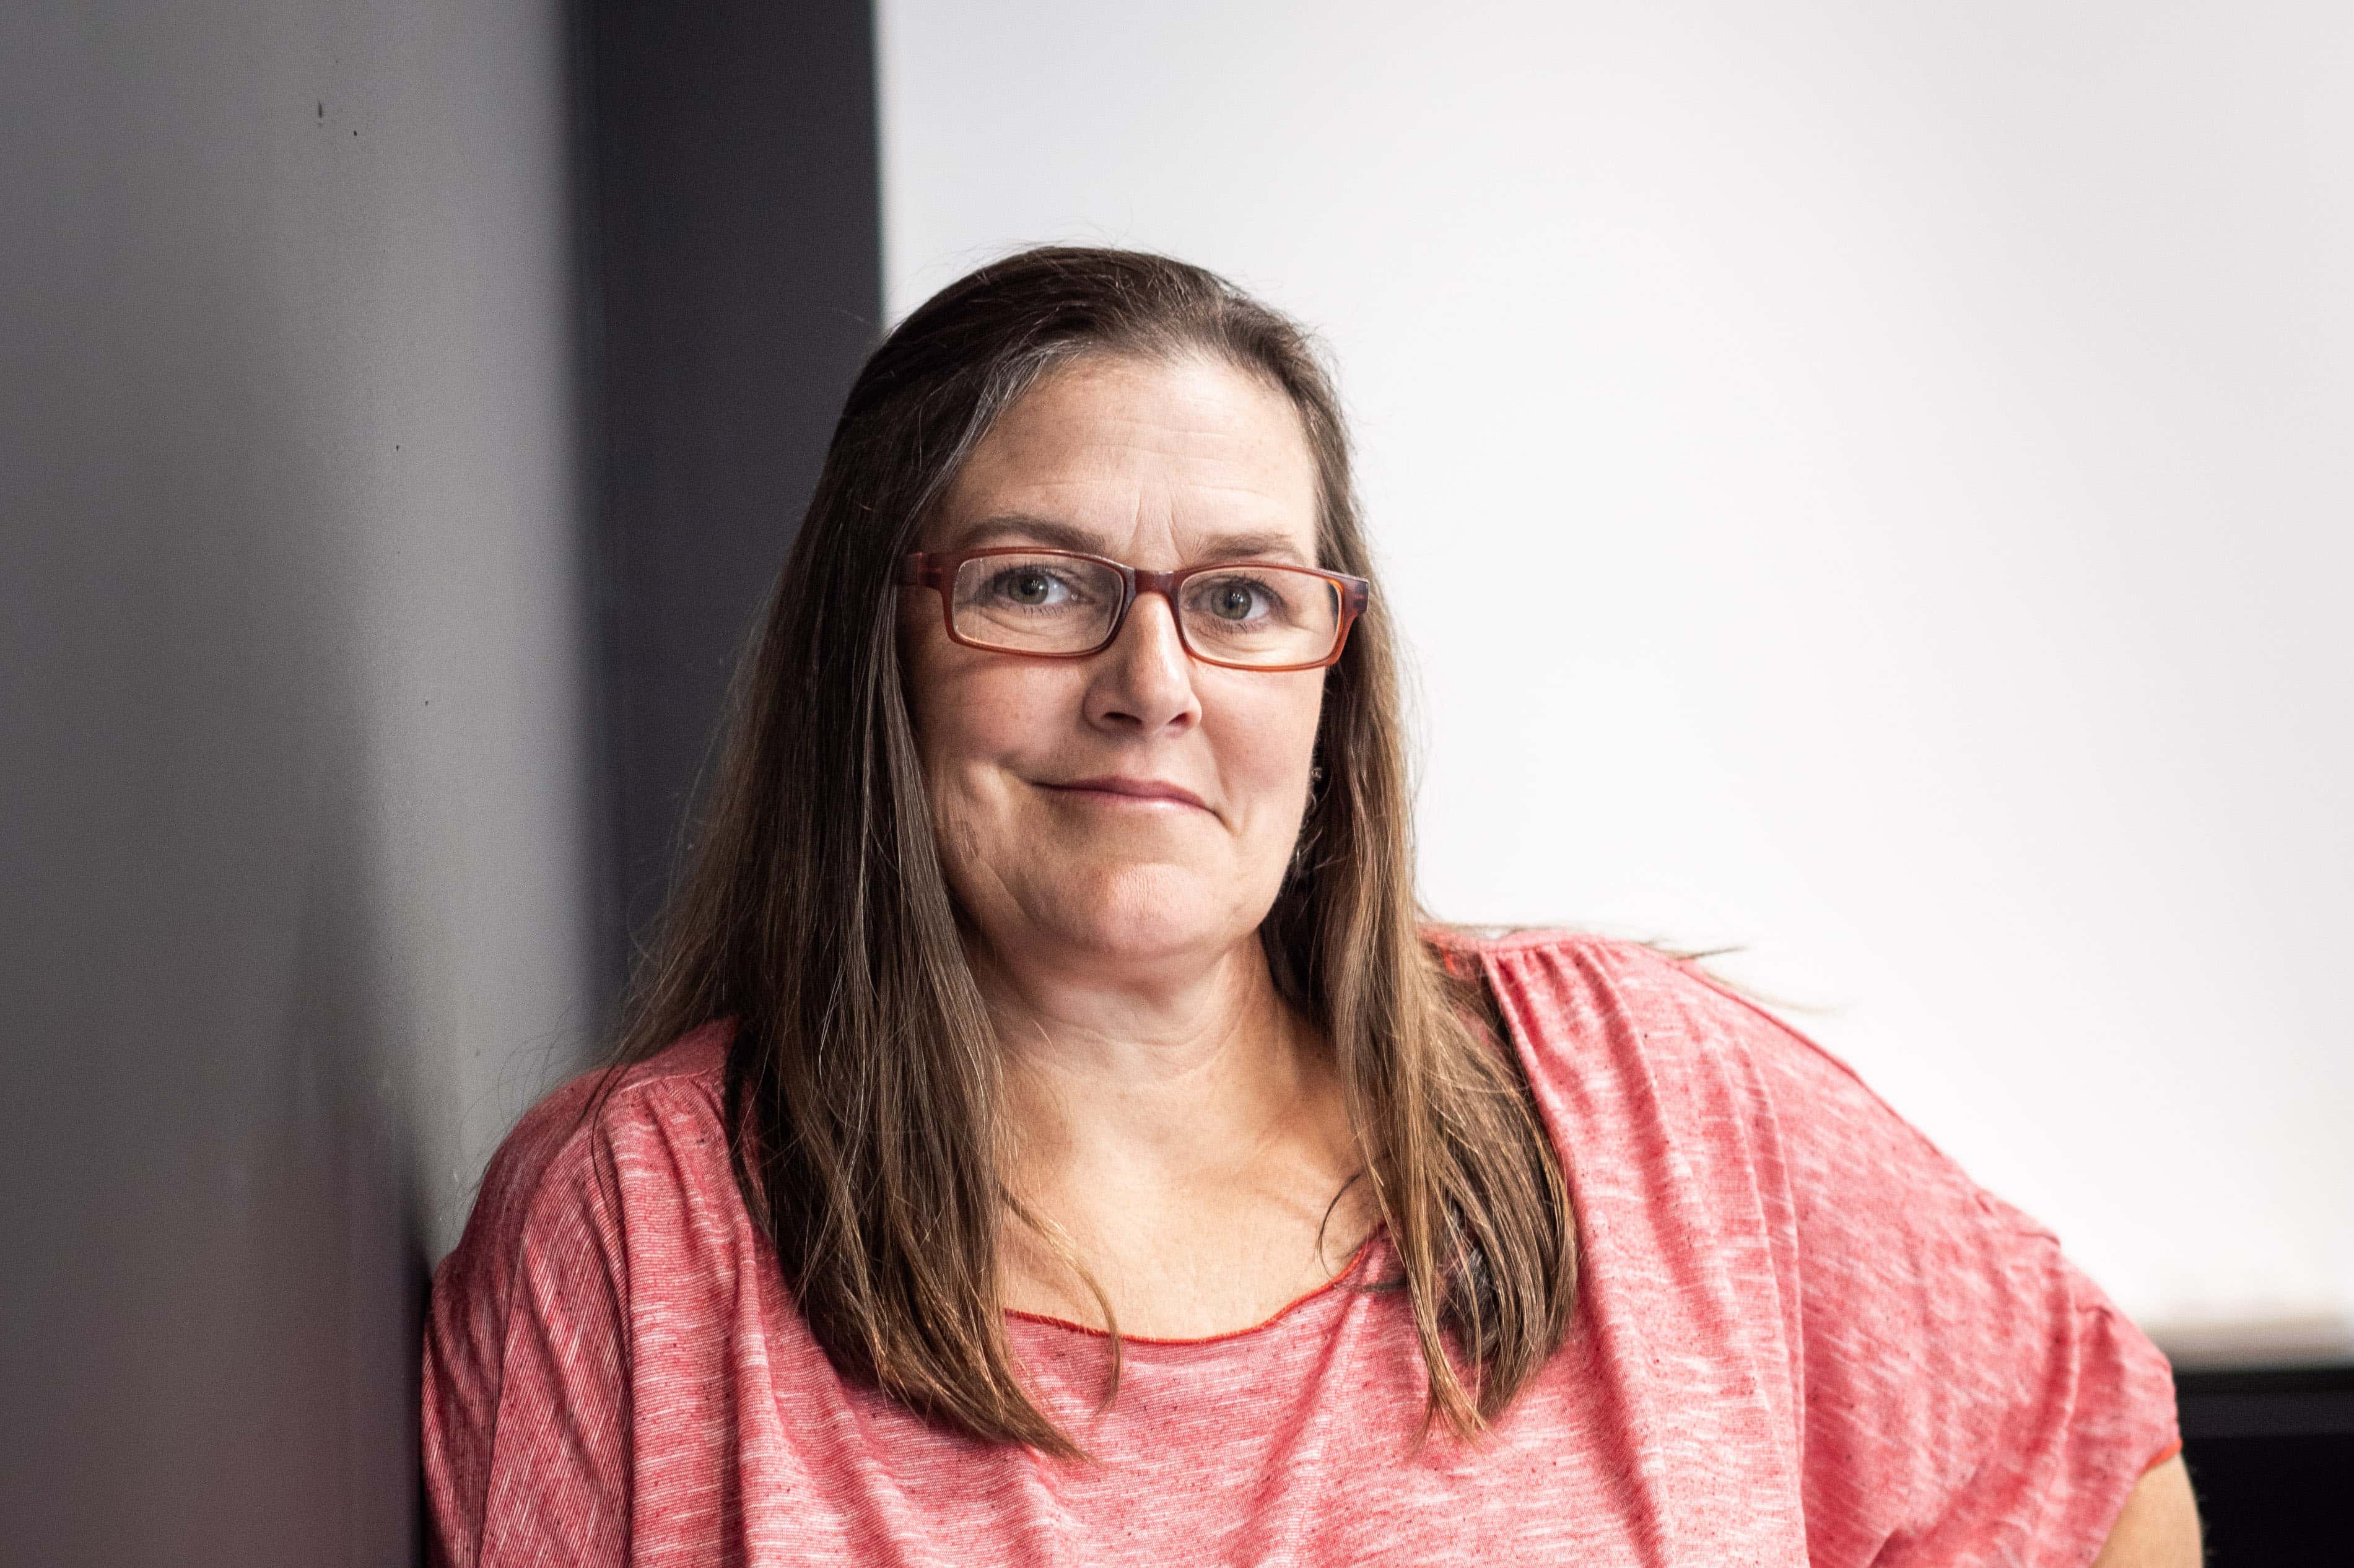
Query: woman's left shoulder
[1558, 989]
[1567, 966]
[1613, 1033]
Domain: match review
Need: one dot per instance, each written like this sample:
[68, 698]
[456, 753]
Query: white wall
[295, 882]
[1867, 482]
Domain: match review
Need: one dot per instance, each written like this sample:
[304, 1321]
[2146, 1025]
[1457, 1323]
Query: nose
[1144, 682]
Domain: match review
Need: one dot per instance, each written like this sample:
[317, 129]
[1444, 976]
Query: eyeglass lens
[1055, 604]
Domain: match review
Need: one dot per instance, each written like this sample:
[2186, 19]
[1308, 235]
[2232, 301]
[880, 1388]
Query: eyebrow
[1048, 533]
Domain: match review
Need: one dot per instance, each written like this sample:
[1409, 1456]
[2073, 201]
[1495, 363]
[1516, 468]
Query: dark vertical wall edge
[732, 267]
[601, 655]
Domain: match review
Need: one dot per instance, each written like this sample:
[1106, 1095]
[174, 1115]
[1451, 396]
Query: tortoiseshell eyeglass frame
[936, 569]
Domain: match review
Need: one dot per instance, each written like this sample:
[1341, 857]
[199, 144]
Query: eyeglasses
[1058, 604]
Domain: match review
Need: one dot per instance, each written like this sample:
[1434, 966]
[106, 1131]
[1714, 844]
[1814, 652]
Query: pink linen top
[1802, 1336]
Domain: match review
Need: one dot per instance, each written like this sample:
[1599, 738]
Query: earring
[1308, 836]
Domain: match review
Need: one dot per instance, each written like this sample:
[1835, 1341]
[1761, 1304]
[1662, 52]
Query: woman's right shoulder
[585, 1152]
[613, 1201]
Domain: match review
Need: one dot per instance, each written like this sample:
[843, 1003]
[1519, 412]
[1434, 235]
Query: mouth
[1147, 793]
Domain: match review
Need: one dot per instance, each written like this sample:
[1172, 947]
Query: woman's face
[1132, 808]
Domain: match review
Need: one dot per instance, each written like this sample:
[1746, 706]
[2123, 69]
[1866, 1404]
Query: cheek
[946, 721]
[968, 730]
[1270, 743]
[978, 721]
[974, 713]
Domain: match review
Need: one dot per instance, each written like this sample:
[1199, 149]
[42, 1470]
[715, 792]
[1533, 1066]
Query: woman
[1046, 1132]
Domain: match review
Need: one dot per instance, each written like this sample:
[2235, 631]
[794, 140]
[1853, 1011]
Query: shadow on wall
[215, 1252]
[293, 895]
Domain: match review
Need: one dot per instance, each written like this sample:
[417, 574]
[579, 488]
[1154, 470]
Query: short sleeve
[1776, 1262]
[526, 1385]
[1968, 1394]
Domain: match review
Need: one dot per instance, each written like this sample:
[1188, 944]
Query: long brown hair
[862, 1077]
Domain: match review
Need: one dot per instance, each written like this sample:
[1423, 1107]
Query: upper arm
[526, 1371]
[1967, 1392]
[1950, 1344]
[2159, 1525]
[1956, 1390]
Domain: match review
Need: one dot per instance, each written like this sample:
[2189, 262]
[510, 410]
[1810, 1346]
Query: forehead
[1125, 456]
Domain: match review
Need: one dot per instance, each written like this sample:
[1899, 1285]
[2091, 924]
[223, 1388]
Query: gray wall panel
[295, 906]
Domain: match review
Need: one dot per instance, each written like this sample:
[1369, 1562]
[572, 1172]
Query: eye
[1235, 600]
[1029, 587]
[1232, 601]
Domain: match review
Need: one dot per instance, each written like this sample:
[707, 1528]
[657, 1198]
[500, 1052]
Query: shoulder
[1735, 1184]
[1623, 1042]
[1565, 994]
[1588, 1012]
[591, 1219]
[593, 1154]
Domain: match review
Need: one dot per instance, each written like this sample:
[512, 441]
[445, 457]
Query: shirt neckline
[1331, 1287]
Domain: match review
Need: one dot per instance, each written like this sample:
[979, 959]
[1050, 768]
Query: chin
[1148, 911]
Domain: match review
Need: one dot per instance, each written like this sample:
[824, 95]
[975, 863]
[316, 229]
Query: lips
[1134, 789]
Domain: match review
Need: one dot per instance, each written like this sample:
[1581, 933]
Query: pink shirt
[1802, 1336]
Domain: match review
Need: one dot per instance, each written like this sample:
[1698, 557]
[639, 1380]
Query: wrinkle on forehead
[1149, 457]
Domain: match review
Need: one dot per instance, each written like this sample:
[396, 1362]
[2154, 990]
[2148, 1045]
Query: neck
[1190, 1074]
[1183, 1146]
